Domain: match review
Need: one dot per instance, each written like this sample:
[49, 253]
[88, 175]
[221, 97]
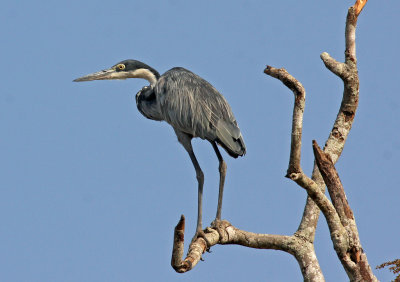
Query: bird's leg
[200, 180]
[185, 140]
[222, 174]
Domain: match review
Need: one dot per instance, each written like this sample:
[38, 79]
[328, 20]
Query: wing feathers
[192, 105]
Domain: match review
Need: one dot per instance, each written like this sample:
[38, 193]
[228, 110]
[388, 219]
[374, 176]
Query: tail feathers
[230, 138]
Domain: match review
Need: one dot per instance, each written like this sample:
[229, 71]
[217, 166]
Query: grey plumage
[192, 106]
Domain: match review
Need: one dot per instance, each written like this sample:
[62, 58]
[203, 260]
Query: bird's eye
[121, 66]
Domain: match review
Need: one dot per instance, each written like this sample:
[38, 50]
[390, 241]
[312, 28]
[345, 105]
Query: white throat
[144, 73]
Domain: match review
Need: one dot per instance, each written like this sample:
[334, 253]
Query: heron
[192, 106]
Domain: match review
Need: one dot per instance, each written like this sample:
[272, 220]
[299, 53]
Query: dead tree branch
[298, 111]
[332, 181]
[350, 253]
[224, 233]
[337, 138]
[338, 214]
[295, 172]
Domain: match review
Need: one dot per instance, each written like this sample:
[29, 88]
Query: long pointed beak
[100, 75]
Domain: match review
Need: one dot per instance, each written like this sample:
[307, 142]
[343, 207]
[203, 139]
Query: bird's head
[123, 70]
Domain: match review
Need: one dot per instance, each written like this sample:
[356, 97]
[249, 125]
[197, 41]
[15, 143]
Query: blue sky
[91, 190]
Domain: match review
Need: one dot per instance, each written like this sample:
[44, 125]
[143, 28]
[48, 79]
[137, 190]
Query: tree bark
[349, 252]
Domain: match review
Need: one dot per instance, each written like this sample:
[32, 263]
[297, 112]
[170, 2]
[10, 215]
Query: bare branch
[337, 138]
[232, 235]
[350, 34]
[301, 249]
[339, 216]
[338, 234]
[196, 249]
[350, 253]
[334, 66]
[335, 187]
[222, 232]
[298, 111]
[295, 173]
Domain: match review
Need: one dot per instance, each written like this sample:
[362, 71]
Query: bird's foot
[200, 234]
[220, 226]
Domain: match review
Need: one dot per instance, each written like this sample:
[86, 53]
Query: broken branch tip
[181, 223]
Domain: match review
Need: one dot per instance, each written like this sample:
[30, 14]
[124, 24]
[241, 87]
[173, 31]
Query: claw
[220, 226]
[216, 224]
[201, 234]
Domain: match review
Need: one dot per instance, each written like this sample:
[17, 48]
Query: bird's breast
[147, 104]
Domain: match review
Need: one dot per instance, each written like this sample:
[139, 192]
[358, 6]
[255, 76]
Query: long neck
[150, 75]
